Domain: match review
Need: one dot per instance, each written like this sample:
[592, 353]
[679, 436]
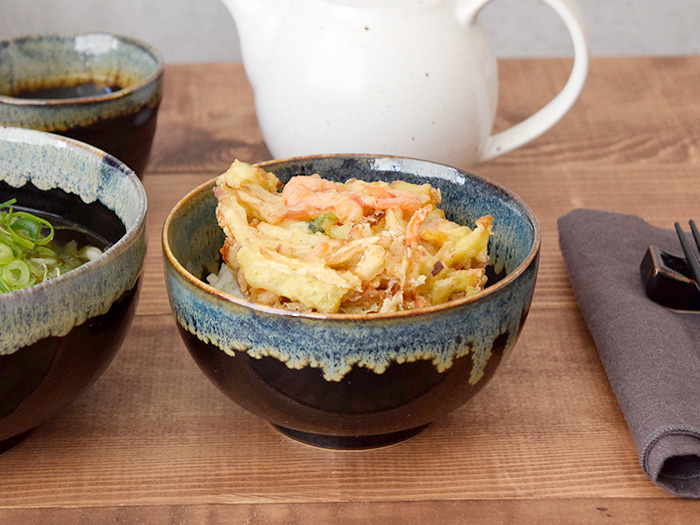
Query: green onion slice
[27, 253]
[6, 253]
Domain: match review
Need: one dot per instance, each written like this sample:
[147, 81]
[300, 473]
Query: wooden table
[154, 442]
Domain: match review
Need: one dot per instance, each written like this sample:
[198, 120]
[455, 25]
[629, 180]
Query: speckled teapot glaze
[416, 78]
[354, 381]
[119, 118]
[59, 336]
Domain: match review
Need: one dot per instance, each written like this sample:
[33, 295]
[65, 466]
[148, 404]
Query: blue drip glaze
[337, 343]
[55, 307]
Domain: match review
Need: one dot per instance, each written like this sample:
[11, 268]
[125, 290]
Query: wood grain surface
[545, 442]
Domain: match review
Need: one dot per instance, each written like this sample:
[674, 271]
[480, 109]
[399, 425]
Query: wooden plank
[632, 111]
[206, 120]
[154, 441]
[163, 193]
[153, 430]
[575, 511]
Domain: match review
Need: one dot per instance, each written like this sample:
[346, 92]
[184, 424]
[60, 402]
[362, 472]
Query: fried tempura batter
[353, 247]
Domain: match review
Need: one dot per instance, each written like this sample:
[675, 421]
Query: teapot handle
[536, 124]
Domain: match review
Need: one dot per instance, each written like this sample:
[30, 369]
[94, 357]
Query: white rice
[225, 281]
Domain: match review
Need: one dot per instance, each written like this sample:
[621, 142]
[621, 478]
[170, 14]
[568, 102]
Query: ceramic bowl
[58, 336]
[354, 381]
[98, 88]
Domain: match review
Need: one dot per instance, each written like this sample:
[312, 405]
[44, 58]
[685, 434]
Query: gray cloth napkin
[651, 354]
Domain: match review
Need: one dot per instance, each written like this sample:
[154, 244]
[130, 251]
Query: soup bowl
[354, 381]
[60, 335]
[98, 88]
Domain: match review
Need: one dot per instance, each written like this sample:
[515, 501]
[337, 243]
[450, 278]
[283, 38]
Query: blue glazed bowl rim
[94, 98]
[36, 137]
[223, 296]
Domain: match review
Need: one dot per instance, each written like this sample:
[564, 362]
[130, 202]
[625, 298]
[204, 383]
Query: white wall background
[203, 30]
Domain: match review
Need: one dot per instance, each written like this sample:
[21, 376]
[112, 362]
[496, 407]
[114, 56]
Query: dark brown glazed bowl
[59, 336]
[47, 83]
[354, 381]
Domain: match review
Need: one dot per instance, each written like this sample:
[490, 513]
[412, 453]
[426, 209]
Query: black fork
[691, 257]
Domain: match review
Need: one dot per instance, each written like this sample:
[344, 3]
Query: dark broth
[67, 208]
[66, 231]
[80, 90]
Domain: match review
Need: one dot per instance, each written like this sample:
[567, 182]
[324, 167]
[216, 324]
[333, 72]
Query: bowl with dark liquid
[59, 335]
[97, 88]
[354, 381]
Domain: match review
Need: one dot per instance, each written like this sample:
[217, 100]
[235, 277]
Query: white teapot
[412, 78]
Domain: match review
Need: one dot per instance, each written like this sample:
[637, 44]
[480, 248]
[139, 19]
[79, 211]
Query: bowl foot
[350, 442]
[8, 444]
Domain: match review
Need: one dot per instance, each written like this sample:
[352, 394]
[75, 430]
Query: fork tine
[691, 258]
[696, 234]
